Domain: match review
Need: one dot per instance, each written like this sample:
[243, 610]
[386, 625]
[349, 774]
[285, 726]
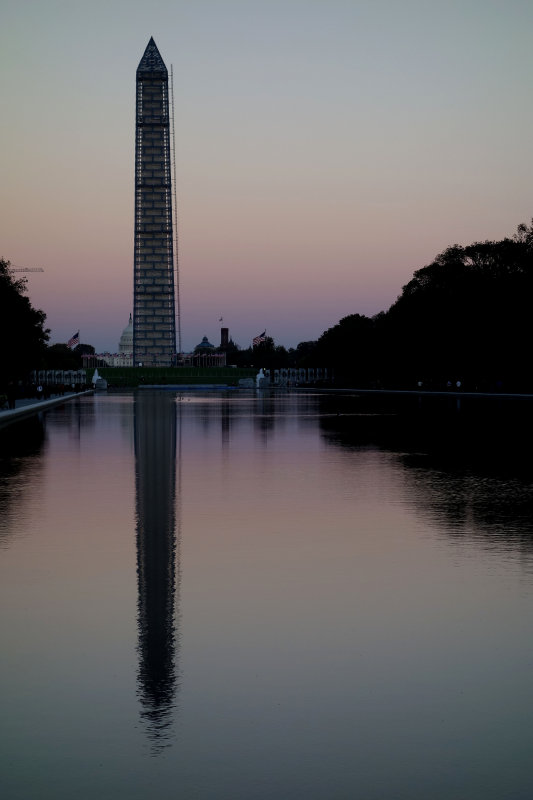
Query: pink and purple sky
[325, 150]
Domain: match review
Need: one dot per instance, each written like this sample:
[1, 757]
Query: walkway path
[26, 407]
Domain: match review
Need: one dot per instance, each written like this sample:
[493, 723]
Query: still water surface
[240, 596]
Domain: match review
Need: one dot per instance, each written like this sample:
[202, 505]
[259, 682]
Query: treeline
[269, 355]
[23, 336]
[465, 317]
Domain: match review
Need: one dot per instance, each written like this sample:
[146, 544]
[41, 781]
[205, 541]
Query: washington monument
[154, 323]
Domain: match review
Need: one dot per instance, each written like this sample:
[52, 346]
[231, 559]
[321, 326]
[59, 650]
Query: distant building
[205, 346]
[205, 354]
[124, 357]
[125, 345]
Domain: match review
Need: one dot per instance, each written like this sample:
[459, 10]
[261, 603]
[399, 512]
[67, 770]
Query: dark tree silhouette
[59, 356]
[466, 316]
[22, 330]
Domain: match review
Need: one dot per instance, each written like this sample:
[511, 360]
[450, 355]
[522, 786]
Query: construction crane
[15, 268]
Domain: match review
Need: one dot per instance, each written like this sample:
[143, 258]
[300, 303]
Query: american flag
[74, 340]
[259, 339]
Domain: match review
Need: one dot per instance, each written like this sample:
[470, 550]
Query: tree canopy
[465, 316]
[22, 330]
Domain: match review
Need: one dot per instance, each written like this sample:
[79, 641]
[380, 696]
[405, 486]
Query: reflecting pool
[296, 595]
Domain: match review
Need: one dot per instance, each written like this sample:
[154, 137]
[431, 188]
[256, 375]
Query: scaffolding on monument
[176, 252]
[154, 314]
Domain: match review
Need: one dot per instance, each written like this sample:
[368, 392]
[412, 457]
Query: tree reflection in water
[22, 445]
[467, 460]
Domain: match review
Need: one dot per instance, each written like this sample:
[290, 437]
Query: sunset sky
[325, 150]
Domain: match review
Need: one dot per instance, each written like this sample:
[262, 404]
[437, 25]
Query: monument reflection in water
[158, 538]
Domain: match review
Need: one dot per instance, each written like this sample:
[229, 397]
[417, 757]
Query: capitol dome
[126, 340]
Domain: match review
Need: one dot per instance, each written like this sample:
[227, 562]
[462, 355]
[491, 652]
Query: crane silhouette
[16, 268]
